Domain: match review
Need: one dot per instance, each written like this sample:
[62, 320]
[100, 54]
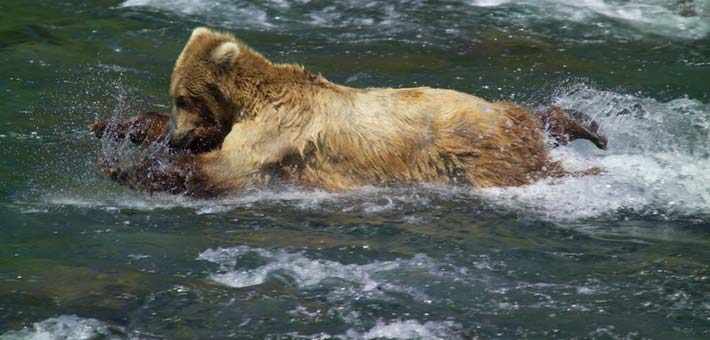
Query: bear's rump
[505, 147]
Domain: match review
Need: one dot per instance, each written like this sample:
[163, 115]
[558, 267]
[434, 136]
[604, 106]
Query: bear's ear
[226, 53]
[199, 31]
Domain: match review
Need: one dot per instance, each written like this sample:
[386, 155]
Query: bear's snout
[181, 141]
[196, 140]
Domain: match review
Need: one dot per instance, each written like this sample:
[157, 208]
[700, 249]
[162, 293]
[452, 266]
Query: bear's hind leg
[566, 125]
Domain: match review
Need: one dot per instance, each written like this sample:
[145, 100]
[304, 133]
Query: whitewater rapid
[418, 21]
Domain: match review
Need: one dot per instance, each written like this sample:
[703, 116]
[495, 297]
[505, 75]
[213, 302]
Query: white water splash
[657, 162]
[636, 19]
[683, 20]
[65, 327]
[304, 271]
[347, 280]
[366, 199]
[407, 329]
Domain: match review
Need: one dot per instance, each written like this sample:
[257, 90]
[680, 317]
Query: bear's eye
[181, 103]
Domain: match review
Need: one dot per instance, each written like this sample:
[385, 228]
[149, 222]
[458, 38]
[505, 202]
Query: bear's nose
[180, 141]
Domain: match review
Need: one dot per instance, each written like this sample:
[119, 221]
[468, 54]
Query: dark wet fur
[175, 175]
[151, 127]
[566, 125]
[143, 129]
[203, 139]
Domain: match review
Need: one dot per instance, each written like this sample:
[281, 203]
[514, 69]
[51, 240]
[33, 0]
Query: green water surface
[445, 262]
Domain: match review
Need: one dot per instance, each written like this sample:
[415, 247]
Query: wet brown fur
[143, 129]
[281, 120]
[561, 126]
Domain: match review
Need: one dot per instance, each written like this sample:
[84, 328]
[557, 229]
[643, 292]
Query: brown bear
[246, 121]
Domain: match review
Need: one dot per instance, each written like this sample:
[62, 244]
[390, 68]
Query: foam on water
[401, 19]
[657, 162]
[407, 329]
[346, 282]
[360, 280]
[366, 199]
[66, 327]
[687, 20]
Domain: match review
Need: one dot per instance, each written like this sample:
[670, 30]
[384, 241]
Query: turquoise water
[622, 255]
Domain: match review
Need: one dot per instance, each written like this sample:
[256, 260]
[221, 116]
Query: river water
[621, 255]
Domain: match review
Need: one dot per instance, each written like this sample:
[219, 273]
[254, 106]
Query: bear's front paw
[143, 129]
[116, 171]
[98, 128]
[180, 175]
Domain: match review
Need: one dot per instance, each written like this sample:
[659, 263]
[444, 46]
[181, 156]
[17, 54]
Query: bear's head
[206, 91]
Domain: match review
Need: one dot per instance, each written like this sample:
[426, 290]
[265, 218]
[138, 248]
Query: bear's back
[421, 134]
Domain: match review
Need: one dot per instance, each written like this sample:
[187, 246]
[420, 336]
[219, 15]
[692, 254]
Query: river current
[620, 255]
